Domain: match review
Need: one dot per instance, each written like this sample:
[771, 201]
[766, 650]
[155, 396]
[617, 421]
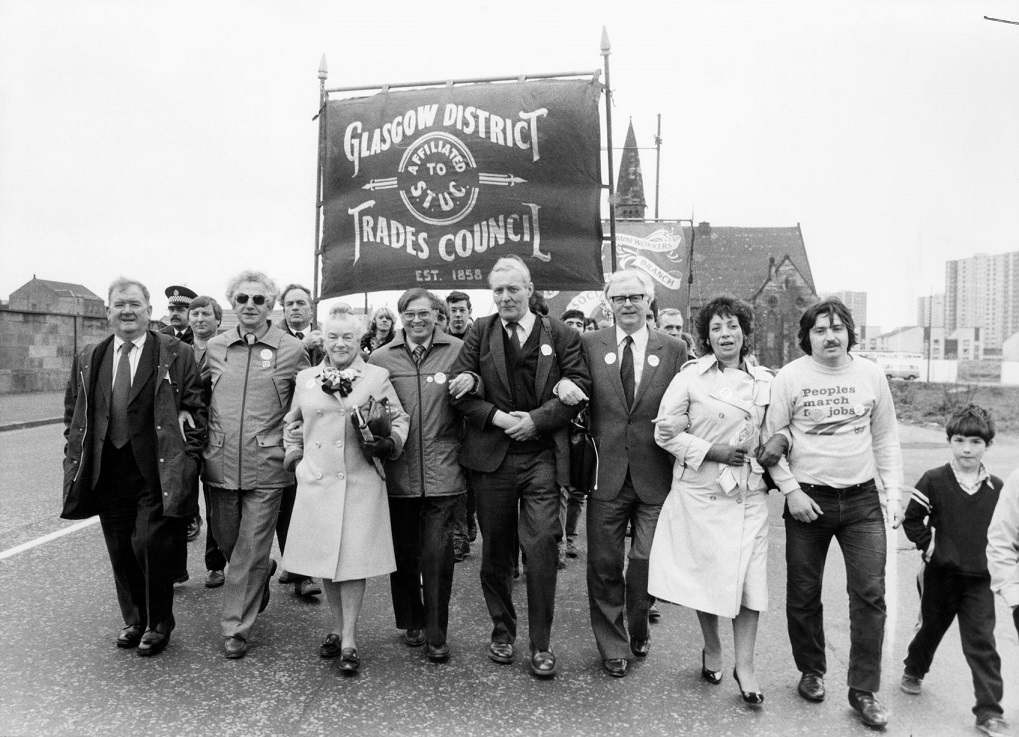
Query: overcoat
[428, 465]
[176, 385]
[340, 528]
[710, 549]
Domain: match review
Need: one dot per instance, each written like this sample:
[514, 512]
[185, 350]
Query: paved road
[61, 675]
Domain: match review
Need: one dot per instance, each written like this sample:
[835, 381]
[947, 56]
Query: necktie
[120, 432]
[299, 335]
[419, 355]
[626, 371]
[514, 335]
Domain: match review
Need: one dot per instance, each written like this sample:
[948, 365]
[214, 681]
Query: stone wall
[37, 348]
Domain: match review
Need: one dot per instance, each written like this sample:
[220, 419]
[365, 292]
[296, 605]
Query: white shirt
[638, 349]
[133, 358]
[525, 326]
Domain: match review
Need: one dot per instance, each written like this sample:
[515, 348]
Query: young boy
[947, 519]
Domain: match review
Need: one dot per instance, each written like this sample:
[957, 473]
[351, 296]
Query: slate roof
[67, 289]
[737, 260]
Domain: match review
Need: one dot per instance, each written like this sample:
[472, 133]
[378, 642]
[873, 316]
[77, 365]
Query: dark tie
[514, 335]
[626, 371]
[120, 432]
[299, 335]
[419, 355]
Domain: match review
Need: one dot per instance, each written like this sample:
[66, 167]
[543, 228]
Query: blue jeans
[853, 517]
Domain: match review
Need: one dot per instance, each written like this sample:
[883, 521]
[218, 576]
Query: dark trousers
[423, 580]
[520, 497]
[608, 593]
[852, 517]
[466, 509]
[214, 558]
[283, 523]
[945, 594]
[140, 540]
[574, 508]
[1015, 617]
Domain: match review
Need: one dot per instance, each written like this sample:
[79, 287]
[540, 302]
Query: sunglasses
[242, 299]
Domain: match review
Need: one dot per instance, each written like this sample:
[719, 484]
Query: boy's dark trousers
[946, 594]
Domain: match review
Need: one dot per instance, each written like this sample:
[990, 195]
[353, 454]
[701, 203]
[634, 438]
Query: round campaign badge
[440, 378]
[546, 349]
[652, 361]
[266, 354]
[815, 413]
[310, 384]
[610, 358]
[429, 379]
[859, 410]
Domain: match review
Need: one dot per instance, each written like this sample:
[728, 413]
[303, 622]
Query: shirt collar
[639, 338]
[526, 322]
[982, 474]
[138, 342]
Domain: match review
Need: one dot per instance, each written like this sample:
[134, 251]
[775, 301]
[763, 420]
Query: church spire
[630, 188]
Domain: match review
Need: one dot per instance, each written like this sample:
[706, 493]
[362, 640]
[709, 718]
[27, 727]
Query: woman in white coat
[710, 548]
[340, 528]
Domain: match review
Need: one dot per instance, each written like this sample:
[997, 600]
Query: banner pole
[606, 50]
[323, 74]
[658, 161]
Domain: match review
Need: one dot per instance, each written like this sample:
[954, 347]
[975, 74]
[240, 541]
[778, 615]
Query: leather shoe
[543, 664]
[307, 587]
[438, 653]
[153, 642]
[194, 527]
[653, 613]
[414, 638]
[214, 579]
[288, 577]
[811, 687]
[872, 712]
[615, 667]
[501, 653]
[265, 589]
[130, 636]
[182, 578]
[640, 648]
[235, 647]
[350, 661]
[330, 647]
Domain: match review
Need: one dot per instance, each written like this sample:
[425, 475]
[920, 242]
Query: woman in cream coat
[340, 528]
[710, 548]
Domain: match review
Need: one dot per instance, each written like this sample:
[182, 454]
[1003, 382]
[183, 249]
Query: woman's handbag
[372, 420]
[583, 456]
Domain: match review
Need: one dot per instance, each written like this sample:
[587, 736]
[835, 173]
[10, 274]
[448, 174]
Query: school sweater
[957, 521]
[841, 422]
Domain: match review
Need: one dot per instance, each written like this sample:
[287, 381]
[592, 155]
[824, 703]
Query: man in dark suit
[631, 367]
[178, 303]
[127, 460]
[510, 363]
[297, 321]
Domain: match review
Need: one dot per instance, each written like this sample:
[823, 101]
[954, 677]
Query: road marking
[46, 538]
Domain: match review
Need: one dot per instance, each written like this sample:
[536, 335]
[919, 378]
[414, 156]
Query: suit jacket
[316, 354]
[188, 336]
[167, 371]
[625, 437]
[483, 354]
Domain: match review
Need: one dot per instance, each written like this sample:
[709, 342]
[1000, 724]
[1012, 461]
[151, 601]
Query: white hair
[512, 263]
[639, 274]
[255, 276]
[343, 312]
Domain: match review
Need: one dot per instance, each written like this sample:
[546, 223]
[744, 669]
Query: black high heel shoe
[754, 698]
[714, 677]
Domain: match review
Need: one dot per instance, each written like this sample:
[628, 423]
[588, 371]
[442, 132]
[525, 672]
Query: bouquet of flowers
[334, 380]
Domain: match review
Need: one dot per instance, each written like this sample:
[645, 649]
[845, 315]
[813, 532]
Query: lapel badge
[652, 360]
[546, 349]
[610, 358]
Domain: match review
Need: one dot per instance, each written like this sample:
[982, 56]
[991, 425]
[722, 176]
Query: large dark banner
[659, 247]
[430, 187]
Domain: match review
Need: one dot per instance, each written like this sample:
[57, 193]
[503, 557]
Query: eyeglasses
[242, 299]
[419, 315]
[621, 299]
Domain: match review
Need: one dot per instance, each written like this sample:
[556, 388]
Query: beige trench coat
[710, 548]
[340, 527]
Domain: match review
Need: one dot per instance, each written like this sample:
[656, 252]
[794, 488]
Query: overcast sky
[174, 142]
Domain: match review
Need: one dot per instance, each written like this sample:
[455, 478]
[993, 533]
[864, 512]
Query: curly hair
[273, 291]
[724, 306]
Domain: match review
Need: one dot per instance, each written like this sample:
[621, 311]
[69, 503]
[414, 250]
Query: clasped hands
[518, 425]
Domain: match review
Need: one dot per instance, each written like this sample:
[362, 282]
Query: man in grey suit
[631, 367]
